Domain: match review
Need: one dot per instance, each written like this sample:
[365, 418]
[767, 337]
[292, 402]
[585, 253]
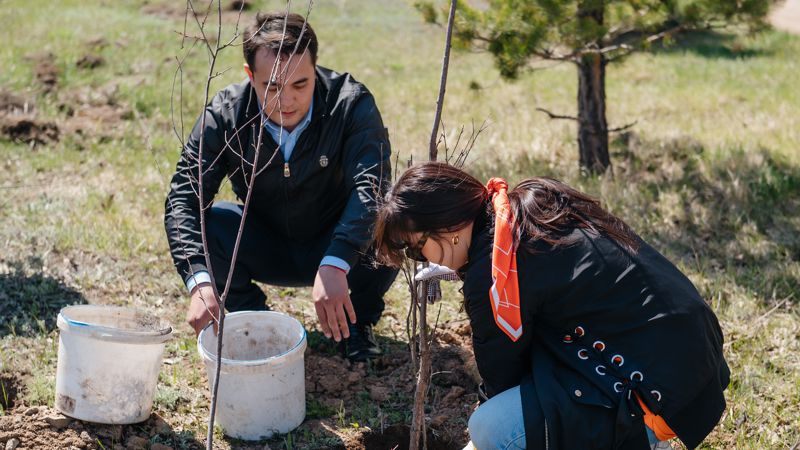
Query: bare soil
[11, 103]
[177, 10]
[45, 70]
[45, 428]
[90, 61]
[331, 381]
[28, 129]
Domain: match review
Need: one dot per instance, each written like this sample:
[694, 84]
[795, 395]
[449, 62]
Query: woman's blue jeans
[498, 423]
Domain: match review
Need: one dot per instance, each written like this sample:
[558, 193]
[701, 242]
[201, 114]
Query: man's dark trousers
[266, 257]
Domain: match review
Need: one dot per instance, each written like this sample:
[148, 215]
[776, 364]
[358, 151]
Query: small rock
[160, 447]
[135, 442]
[12, 444]
[58, 422]
[86, 437]
[32, 411]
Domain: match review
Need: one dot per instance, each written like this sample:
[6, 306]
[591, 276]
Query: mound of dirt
[397, 437]
[45, 70]
[94, 111]
[11, 103]
[240, 5]
[12, 385]
[27, 128]
[45, 428]
[177, 10]
[90, 61]
[390, 380]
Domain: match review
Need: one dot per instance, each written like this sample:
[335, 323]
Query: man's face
[284, 89]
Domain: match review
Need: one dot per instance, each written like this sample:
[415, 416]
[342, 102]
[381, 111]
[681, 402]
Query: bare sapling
[418, 290]
[214, 47]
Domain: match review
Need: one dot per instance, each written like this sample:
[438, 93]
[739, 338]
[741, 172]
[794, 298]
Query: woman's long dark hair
[435, 197]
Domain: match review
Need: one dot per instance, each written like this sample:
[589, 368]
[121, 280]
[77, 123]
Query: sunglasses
[415, 251]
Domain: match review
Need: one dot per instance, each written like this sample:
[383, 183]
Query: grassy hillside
[710, 174]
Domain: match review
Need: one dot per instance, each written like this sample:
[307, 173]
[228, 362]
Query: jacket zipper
[286, 174]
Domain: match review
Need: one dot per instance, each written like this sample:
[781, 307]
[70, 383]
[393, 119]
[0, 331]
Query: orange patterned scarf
[504, 293]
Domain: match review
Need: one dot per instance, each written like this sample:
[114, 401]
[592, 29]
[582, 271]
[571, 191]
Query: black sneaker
[361, 345]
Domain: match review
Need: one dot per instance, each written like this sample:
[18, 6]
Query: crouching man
[323, 160]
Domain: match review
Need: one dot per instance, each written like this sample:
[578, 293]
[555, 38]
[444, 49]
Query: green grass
[710, 175]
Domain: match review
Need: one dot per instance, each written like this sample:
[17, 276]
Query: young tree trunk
[592, 126]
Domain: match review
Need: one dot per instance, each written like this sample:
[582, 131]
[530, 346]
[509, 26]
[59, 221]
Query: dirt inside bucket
[250, 342]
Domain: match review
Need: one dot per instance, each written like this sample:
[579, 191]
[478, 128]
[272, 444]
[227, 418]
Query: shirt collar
[275, 129]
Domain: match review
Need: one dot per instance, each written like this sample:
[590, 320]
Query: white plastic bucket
[108, 363]
[262, 379]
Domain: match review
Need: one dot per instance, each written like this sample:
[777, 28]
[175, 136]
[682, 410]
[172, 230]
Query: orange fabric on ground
[656, 423]
[504, 293]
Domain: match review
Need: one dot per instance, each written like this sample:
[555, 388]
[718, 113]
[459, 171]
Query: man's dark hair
[268, 31]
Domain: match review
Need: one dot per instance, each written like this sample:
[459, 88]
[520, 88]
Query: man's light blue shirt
[286, 141]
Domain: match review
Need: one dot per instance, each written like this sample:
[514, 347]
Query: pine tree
[590, 34]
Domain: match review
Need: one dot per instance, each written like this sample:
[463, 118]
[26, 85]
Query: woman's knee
[498, 423]
[480, 431]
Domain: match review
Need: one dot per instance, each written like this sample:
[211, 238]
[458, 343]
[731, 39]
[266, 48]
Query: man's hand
[203, 309]
[331, 300]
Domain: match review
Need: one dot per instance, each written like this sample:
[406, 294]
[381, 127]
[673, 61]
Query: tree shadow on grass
[733, 216]
[30, 302]
[709, 44]
[736, 212]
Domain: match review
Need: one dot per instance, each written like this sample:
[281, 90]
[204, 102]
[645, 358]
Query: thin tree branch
[624, 127]
[442, 82]
[558, 116]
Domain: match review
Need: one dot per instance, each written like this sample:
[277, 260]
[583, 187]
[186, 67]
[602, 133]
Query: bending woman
[585, 336]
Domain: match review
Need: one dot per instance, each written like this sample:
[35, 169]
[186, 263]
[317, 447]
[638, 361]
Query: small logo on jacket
[323, 161]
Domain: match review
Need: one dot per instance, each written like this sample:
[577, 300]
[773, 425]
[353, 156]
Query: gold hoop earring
[455, 240]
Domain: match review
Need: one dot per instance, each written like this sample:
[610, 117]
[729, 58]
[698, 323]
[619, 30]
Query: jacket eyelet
[657, 395]
[618, 360]
[599, 345]
[601, 369]
[583, 354]
[567, 339]
[579, 331]
[618, 387]
[637, 376]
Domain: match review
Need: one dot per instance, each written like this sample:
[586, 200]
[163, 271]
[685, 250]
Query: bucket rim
[205, 354]
[66, 323]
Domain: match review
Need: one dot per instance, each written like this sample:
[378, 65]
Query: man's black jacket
[582, 305]
[332, 178]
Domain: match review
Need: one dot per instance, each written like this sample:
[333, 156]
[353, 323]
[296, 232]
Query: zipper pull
[286, 172]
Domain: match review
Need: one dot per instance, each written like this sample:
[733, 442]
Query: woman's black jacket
[639, 305]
